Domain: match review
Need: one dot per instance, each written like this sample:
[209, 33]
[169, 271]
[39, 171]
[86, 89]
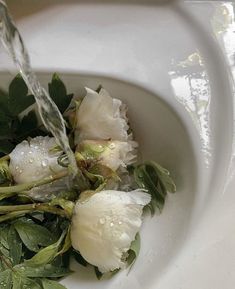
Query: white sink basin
[164, 63]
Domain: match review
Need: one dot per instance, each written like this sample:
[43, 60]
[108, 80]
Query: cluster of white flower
[101, 120]
[105, 223]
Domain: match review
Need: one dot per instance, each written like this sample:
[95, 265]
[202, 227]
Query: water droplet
[111, 224]
[20, 171]
[30, 152]
[44, 163]
[22, 153]
[17, 168]
[120, 222]
[36, 147]
[30, 161]
[102, 221]
[112, 146]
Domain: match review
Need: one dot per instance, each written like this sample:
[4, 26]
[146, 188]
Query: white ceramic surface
[168, 62]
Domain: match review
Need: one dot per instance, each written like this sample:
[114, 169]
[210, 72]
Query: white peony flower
[101, 117]
[104, 225]
[34, 160]
[113, 154]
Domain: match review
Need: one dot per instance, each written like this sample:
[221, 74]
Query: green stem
[12, 215]
[28, 208]
[6, 262]
[30, 185]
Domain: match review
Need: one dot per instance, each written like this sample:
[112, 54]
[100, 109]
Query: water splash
[48, 110]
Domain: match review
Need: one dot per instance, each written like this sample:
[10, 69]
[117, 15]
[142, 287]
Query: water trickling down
[48, 110]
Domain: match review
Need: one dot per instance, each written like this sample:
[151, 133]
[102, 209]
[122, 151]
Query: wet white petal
[101, 117]
[105, 224]
[113, 154]
[33, 160]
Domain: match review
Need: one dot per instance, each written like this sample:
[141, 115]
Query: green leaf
[43, 271]
[134, 251]
[165, 178]
[4, 236]
[6, 279]
[67, 243]
[33, 236]
[5, 132]
[58, 93]
[20, 281]
[19, 99]
[28, 124]
[98, 273]
[78, 257]
[50, 284]
[4, 101]
[156, 180]
[15, 246]
[6, 146]
[47, 254]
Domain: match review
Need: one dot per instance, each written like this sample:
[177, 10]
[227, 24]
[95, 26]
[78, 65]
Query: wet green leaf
[20, 281]
[15, 246]
[6, 279]
[47, 254]
[43, 271]
[33, 236]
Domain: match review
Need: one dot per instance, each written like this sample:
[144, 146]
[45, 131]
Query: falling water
[48, 110]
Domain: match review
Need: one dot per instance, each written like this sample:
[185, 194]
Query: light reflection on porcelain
[190, 84]
[223, 26]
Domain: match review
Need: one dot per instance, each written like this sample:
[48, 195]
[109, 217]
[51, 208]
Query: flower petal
[35, 159]
[101, 117]
[104, 225]
[113, 154]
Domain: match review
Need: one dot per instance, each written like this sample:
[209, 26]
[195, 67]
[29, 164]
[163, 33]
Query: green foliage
[33, 235]
[156, 180]
[58, 93]
[18, 98]
[134, 251]
[14, 129]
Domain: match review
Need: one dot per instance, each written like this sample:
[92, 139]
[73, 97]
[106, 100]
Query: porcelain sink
[164, 61]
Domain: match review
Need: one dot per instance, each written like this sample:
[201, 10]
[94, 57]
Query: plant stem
[12, 215]
[6, 262]
[28, 208]
[30, 185]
